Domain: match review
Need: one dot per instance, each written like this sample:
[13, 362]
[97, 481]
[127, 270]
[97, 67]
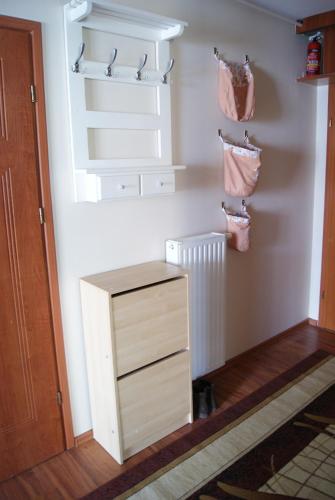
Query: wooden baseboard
[267, 342]
[313, 322]
[83, 438]
[232, 361]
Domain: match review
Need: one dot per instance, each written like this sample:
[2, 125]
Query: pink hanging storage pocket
[238, 225]
[241, 167]
[236, 90]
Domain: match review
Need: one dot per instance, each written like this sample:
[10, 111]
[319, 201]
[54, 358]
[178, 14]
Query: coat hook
[108, 71]
[141, 66]
[246, 136]
[168, 69]
[246, 59]
[216, 54]
[220, 134]
[75, 67]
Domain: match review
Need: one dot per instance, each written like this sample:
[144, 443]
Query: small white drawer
[119, 186]
[157, 183]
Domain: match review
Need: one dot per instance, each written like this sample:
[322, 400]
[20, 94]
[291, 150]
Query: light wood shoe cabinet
[138, 355]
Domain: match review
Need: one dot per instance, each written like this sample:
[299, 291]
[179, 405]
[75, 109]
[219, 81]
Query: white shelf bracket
[79, 9]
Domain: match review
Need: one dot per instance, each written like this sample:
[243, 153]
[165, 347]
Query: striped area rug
[278, 442]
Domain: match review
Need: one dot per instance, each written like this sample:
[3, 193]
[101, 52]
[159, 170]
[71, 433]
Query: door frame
[34, 28]
[328, 203]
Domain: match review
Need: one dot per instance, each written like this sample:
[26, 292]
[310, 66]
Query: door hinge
[41, 214]
[323, 294]
[33, 93]
[59, 398]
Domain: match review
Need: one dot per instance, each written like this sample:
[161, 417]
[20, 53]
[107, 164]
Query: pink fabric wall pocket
[238, 224]
[236, 91]
[241, 168]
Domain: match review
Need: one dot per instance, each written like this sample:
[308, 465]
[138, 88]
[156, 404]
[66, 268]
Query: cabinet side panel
[100, 366]
[328, 50]
[191, 416]
[327, 299]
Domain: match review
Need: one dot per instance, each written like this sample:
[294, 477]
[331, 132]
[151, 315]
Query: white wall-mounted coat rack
[118, 66]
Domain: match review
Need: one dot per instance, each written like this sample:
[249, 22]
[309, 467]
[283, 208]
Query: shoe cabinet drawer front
[149, 324]
[157, 184]
[119, 186]
[154, 402]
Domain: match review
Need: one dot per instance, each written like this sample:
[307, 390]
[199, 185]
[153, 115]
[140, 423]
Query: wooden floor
[80, 470]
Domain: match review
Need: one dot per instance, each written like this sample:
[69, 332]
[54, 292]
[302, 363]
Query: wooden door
[31, 428]
[327, 301]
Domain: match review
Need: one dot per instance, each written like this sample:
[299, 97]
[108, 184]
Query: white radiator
[204, 257]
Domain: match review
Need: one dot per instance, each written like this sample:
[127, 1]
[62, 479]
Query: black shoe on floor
[203, 398]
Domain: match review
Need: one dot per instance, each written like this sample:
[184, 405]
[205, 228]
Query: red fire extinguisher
[313, 65]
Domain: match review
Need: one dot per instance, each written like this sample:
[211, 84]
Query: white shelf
[135, 170]
[139, 23]
[95, 186]
[121, 126]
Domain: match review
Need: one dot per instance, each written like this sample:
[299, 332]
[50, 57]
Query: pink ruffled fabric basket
[238, 225]
[241, 168]
[236, 91]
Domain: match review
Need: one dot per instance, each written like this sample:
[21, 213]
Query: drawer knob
[122, 186]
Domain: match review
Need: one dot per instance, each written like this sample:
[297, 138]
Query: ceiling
[293, 9]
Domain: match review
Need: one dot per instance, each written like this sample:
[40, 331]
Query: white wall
[319, 198]
[267, 287]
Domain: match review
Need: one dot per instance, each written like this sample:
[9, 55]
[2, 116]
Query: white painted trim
[79, 9]
[121, 74]
[268, 12]
[166, 28]
[155, 169]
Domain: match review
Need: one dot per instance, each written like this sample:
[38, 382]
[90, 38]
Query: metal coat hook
[216, 54]
[75, 67]
[246, 136]
[141, 66]
[220, 134]
[246, 59]
[168, 69]
[108, 71]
